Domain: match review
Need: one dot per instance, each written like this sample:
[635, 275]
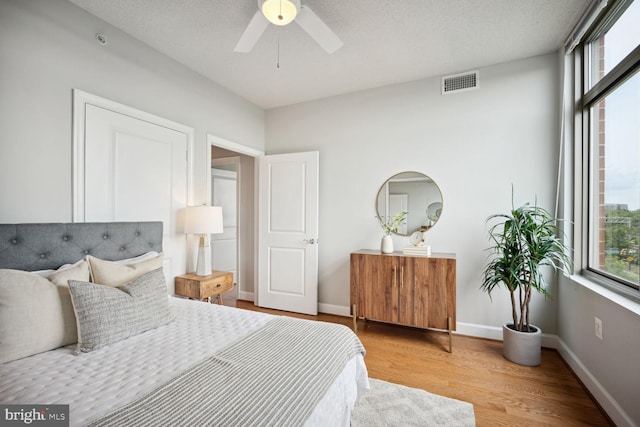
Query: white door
[136, 170]
[288, 232]
[399, 203]
[224, 246]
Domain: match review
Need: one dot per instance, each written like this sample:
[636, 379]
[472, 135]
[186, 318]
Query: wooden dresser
[404, 289]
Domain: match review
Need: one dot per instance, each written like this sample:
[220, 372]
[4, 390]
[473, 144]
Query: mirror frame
[428, 223]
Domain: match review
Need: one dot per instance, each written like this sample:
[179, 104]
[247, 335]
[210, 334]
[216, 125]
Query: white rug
[387, 404]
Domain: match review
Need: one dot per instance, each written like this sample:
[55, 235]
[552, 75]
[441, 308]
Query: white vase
[522, 348]
[386, 246]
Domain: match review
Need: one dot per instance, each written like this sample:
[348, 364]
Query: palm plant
[523, 242]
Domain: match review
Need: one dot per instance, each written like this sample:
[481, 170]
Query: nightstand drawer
[203, 287]
[210, 289]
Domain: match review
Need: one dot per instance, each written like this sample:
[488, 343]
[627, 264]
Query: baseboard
[246, 296]
[338, 310]
[479, 331]
[600, 394]
[495, 333]
[462, 328]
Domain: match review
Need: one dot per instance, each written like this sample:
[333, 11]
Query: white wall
[47, 48]
[607, 367]
[474, 145]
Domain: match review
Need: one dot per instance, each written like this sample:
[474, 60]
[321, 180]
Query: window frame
[585, 99]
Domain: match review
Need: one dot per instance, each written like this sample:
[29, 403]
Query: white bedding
[95, 383]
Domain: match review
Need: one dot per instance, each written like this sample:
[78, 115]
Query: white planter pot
[386, 246]
[522, 348]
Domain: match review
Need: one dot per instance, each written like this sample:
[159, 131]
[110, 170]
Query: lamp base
[203, 265]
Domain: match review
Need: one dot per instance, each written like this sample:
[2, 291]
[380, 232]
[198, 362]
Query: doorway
[286, 172]
[225, 159]
[225, 175]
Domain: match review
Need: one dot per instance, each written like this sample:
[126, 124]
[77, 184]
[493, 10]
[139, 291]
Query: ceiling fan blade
[252, 33]
[317, 29]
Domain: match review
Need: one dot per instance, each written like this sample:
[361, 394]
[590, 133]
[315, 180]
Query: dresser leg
[220, 299]
[449, 321]
[355, 318]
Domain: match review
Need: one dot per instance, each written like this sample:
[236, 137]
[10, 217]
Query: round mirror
[414, 193]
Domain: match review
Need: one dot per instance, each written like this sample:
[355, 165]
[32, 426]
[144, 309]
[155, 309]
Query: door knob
[310, 241]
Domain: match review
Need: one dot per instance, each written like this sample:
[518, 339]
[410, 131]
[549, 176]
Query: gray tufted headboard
[48, 246]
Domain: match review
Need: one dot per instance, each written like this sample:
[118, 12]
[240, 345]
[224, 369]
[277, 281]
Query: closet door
[131, 166]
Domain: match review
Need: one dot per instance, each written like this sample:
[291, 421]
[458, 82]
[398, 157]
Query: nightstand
[204, 287]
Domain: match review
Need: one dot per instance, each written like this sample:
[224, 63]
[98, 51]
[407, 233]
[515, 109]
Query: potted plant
[390, 225]
[525, 242]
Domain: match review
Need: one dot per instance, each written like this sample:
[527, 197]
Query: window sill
[621, 297]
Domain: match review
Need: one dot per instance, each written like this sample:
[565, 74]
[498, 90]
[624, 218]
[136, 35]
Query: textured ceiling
[385, 41]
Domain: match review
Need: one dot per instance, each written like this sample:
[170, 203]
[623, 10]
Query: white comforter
[95, 383]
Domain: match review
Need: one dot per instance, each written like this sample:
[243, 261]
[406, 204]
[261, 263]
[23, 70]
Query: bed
[160, 360]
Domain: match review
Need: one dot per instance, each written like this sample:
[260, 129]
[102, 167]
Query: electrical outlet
[598, 329]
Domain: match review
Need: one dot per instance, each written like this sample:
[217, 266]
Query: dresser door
[408, 303]
[433, 292]
[381, 288]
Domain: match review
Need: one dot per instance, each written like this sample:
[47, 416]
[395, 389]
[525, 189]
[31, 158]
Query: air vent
[460, 82]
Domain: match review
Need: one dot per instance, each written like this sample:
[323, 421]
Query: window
[611, 109]
[614, 39]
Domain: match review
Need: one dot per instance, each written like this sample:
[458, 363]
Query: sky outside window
[622, 119]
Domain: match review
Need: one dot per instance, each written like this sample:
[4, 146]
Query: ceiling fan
[283, 12]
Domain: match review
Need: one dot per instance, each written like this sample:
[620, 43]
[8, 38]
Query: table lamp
[203, 220]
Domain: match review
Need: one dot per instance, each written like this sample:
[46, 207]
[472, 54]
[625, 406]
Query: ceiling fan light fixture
[279, 12]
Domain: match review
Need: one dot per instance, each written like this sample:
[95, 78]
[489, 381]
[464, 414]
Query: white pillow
[47, 273]
[36, 314]
[111, 273]
[148, 255]
[127, 261]
[44, 273]
[70, 272]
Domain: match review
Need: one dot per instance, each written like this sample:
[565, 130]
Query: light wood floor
[502, 393]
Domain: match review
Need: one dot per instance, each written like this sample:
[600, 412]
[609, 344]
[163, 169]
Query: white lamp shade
[203, 220]
[279, 12]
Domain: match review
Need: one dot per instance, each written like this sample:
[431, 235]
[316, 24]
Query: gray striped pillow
[106, 314]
